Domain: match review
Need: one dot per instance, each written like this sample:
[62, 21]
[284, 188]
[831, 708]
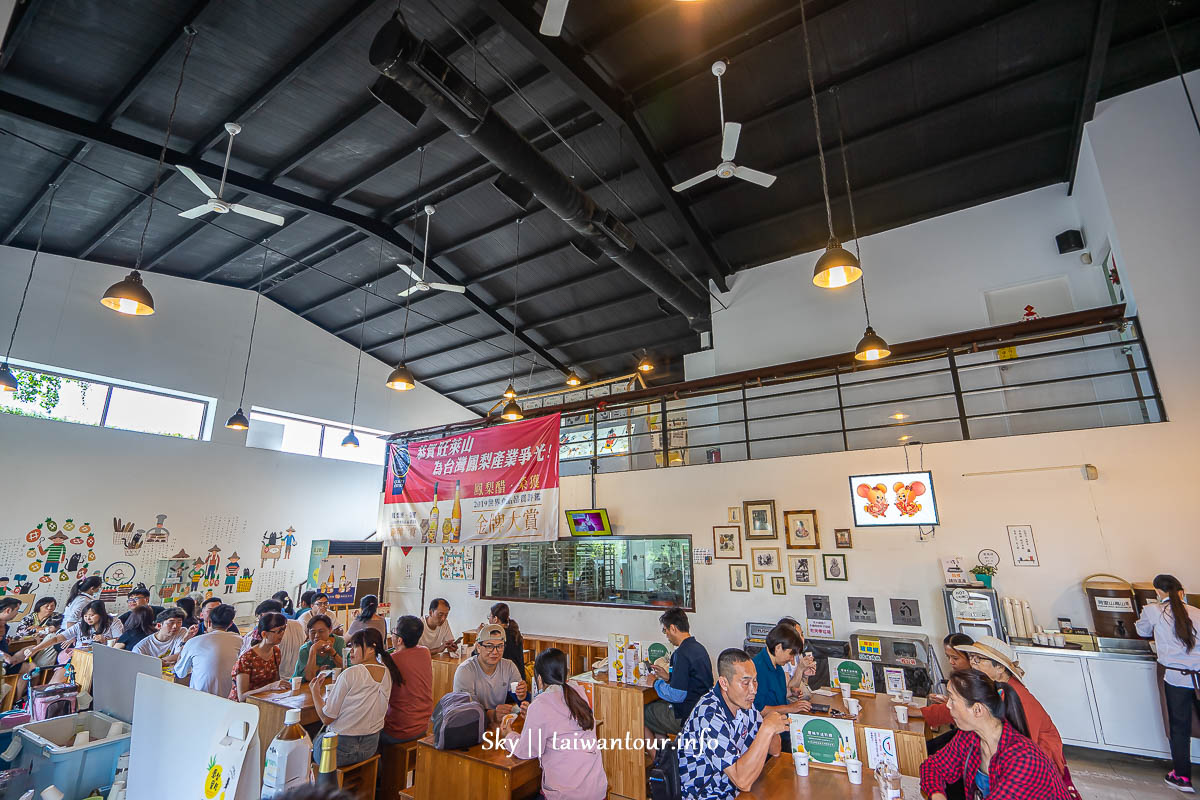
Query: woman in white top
[356, 705]
[83, 592]
[1173, 624]
[95, 627]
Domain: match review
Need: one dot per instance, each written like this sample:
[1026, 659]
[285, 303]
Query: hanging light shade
[512, 411]
[238, 422]
[401, 379]
[129, 296]
[351, 440]
[510, 393]
[837, 267]
[8, 381]
[645, 364]
[871, 347]
[573, 379]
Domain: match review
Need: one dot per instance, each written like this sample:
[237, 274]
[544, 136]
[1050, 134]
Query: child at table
[560, 731]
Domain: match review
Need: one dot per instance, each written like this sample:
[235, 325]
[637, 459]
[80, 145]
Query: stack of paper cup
[854, 770]
[801, 760]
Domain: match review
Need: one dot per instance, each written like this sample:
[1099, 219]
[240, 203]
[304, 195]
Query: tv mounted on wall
[893, 498]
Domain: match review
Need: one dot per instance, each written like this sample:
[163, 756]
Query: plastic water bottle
[287, 757]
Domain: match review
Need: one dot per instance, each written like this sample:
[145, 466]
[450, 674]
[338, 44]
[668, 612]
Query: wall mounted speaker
[1069, 242]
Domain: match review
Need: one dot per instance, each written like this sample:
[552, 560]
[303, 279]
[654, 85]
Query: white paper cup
[853, 706]
[1060, 640]
[854, 770]
[902, 714]
[845, 691]
[801, 761]
[512, 687]
[296, 684]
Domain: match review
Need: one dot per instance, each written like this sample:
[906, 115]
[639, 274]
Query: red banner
[492, 485]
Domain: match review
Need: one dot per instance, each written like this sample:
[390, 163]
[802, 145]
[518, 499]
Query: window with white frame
[311, 436]
[66, 396]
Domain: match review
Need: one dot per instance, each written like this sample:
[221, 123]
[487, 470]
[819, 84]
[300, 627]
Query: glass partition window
[624, 571]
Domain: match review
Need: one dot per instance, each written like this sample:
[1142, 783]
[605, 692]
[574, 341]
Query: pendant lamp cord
[162, 155]
[412, 249]
[1178, 67]
[516, 298]
[837, 106]
[362, 331]
[254, 322]
[812, 91]
[33, 264]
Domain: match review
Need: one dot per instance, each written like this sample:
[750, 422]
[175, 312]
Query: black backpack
[458, 722]
[662, 779]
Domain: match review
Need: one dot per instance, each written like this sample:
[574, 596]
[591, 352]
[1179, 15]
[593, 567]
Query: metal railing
[1086, 369]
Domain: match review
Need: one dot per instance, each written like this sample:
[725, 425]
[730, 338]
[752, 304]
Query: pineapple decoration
[212, 781]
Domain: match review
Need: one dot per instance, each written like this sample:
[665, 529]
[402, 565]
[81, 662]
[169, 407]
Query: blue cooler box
[49, 751]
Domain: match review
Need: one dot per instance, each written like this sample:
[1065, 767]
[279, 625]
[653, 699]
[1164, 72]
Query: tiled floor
[1113, 776]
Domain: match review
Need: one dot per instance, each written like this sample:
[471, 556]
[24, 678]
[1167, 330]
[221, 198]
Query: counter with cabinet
[1108, 701]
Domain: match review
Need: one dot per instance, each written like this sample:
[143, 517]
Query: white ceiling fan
[730, 133]
[553, 17]
[215, 202]
[419, 282]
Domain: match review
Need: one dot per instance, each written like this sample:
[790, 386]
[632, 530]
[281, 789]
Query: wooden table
[273, 705]
[779, 781]
[473, 773]
[619, 710]
[877, 712]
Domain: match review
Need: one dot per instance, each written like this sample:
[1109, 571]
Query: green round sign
[821, 740]
[656, 651]
[850, 674]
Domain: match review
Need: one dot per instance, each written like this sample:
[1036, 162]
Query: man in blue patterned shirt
[725, 741]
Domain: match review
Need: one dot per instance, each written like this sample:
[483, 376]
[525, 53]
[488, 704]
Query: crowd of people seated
[373, 687]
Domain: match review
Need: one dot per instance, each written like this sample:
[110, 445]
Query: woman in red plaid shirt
[991, 753]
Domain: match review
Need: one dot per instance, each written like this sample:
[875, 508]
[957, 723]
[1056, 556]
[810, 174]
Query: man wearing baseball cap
[998, 661]
[490, 678]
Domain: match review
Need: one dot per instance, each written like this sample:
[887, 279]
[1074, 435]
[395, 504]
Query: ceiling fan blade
[689, 183]
[553, 18]
[265, 216]
[198, 211]
[408, 269]
[729, 140]
[410, 290]
[191, 175]
[754, 176]
[447, 287]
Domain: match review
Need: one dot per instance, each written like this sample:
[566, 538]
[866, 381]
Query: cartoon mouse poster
[902, 498]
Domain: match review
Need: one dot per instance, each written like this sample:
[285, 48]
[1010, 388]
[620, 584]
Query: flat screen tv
[589, 522]
[893, 498]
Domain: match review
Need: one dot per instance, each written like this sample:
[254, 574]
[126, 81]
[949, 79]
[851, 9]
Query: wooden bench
[398, 762]
[359, 779]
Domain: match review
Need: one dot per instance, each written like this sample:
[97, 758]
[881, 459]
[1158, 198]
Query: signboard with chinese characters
[1024, 551]
[489, 486]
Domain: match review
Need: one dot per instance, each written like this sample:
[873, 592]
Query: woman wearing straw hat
[998, 661]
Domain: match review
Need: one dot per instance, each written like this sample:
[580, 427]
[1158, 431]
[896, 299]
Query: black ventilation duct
[426, 75]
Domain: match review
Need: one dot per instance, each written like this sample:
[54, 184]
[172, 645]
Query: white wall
[1142, 190]
[196, 342]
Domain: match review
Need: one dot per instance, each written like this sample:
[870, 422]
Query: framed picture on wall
[802, 570]
[778, 585]
[801, 528]
[739, 578]
[734, 514]
[757, 580]
[727, 541]
[841, 538]
[760, 519]
[765, 559]
[834, 566]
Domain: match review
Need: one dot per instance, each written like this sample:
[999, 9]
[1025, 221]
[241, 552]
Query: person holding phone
[437, 636]
[1173, 624]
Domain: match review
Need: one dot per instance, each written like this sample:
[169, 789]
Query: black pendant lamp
[351, 440]
[8, 381]
[573, 379]
[836, 267]
[512, 409]
[871, 347]
[130, 296]
[400, 378]
[239, 421]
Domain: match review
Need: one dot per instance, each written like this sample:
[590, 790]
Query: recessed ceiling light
[899, 415]
[904, 438]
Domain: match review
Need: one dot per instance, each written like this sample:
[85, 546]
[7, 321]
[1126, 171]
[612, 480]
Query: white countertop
[1063, 651]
